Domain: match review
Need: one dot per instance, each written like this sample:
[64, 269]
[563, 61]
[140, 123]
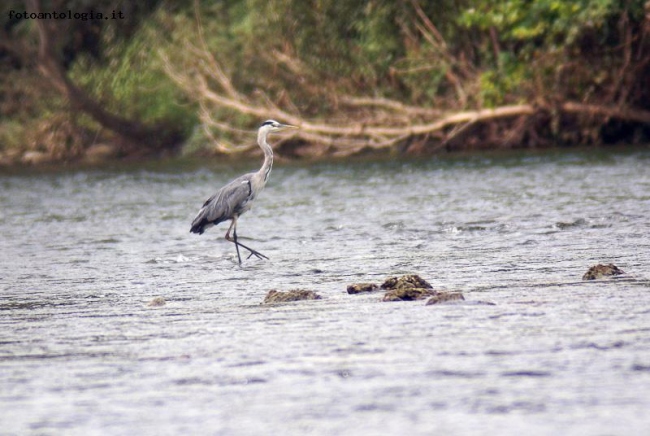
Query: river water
[83, 252]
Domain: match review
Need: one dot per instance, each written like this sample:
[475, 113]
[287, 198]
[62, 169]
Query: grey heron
[237, 196]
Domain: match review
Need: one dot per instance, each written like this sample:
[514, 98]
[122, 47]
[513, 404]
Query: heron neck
[268, 157]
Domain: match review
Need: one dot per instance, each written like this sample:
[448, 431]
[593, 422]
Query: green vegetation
[360, 75]
[132, 82]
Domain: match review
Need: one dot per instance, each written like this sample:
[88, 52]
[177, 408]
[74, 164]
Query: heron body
[237, 197]
[233, 199]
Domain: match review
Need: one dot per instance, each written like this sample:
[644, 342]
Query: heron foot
[239, 244]
[256, 254]
[250, 250]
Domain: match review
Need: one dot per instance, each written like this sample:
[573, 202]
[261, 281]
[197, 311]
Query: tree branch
[382, 123]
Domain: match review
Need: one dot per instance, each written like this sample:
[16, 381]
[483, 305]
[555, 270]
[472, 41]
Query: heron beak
[289, 126]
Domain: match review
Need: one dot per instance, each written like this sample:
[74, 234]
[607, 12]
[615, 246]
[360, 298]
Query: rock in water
[357, 288]
[599, 271]
[157, 302]
[275, 296]
[408, 294]
[405, 281]
[445, 297]
[407, 288]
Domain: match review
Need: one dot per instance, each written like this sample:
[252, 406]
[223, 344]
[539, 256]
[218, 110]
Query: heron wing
[225, 203]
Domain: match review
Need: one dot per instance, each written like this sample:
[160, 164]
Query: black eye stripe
[271, 123]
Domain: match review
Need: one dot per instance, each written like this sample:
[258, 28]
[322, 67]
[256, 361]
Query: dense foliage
[307, 56]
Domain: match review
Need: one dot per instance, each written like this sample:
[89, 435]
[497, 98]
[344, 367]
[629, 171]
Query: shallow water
[83, 252]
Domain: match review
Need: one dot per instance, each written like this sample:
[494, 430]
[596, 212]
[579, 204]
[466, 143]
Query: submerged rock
[357, 288]
[157, 302]
[445, 297]
[275, 296]
[406, 281]
[408, 294]
[599, 271]
[580, 222]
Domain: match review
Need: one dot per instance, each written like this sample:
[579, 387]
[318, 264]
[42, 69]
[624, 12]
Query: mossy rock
[358, 288]
[275, 296]
[408, 294]
[599, 271]
[405, 281]
[445, 297]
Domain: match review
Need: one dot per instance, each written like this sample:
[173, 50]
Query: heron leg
[233, 226]
[238, 244]
[252, 252]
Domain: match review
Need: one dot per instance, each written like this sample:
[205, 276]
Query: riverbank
[103, 155]
[409, 80]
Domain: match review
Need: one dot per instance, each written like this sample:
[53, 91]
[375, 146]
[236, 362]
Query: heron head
[274, 126]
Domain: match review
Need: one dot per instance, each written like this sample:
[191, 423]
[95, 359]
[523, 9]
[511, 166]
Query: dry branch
[374, 123]
[624, 114]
